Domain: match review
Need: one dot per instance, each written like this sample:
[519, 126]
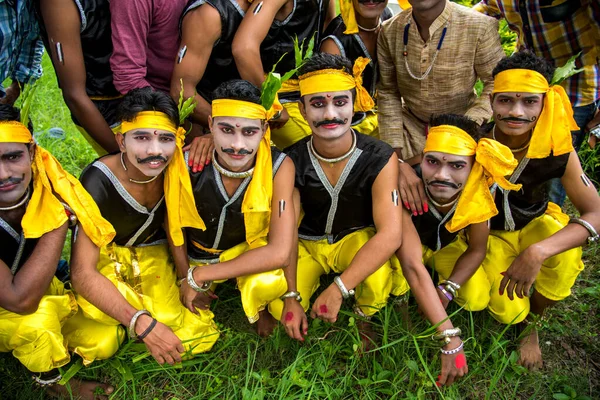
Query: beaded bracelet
[453, 351]
[448, 295]
[143, 335]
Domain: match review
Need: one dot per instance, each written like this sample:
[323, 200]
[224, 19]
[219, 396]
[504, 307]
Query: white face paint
[236, 141]
[15, 172]
[149, 150]
[329, 114]
[445, 174]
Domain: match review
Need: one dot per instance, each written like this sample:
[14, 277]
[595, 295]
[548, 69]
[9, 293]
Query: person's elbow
[241, 48]
[74, 98]
[281, 255]
[22, 305]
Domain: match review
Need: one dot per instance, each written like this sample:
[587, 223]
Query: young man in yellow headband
[457, 170]
[532, 243]
[245, 197]
[39, 201]
[145, 192]
[353, 34]
[348, 188]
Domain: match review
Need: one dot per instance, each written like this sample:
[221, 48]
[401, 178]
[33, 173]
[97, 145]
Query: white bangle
[133, 321]
[593, 238]
[192, 282]
[346, 294]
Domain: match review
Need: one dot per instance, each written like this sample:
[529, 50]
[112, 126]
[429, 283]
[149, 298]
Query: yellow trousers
[557, 274]
[316, 258]
[145, 276]
[37, 340]
[474, 295]
[256, 290]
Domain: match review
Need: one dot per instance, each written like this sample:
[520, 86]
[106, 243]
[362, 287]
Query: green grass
[328, 365]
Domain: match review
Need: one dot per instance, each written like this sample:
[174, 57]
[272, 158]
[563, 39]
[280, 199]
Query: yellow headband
[256, 205]
[336, 80]
[14, 132]
[493, 162]
[179, 198]
[45, 212]
[552, 132]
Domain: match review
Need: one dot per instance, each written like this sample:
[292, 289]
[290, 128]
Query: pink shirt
[145, 36]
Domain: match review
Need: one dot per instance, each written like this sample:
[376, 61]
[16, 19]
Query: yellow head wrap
[256, 205]
[336, 80]
[45, 212]
[349, 16]
[179, 199]
[493, 161]
[552, 132]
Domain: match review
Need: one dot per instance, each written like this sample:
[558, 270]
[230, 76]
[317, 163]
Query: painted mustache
[515, 119]
[444, 183]
[11, 181]
[150, 159]
[242, 152]
[371, 1]
[331, 121]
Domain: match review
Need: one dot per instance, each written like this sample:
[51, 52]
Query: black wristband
[143, 335]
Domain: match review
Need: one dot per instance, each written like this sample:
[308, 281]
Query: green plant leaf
[560, 396]
[566, 71]
[186, 107]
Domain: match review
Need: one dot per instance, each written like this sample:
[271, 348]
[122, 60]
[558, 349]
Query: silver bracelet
[595, 131]
[291, 295]
[453, 351]
[131, 330]
[593, 238]
[401, 161]
[192, 282]
[446, 334]
[451, 283]
[346, 294]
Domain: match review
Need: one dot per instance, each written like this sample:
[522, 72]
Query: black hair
[10, 113]
[237, 89]
[526, 60]
[321, 61]
[147, 99]
[460, 121]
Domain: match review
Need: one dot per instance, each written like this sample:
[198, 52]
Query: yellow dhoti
[316, 258]
[145, 276]
[37, 339]
[369, 125]
[474, 295]
[256, 290]
[557, 274]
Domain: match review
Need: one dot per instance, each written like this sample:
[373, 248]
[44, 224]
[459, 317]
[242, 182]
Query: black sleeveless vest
[15, 249]
[222, 214]
[135, 224]
[334, 212]
[221, 65]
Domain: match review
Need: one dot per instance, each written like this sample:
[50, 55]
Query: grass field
[328, 365]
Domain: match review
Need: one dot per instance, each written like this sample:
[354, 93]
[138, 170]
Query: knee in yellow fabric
[508, 311]
[294, 129]
[258, 290]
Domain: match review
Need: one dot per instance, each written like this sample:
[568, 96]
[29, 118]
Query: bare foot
[531, 355]
[265, 324]
[80, 389]
[367, 335]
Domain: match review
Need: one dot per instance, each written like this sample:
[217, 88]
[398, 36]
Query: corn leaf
[186, 107]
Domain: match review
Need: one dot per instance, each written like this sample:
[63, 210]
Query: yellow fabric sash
[179, 198]
[552, 132]
[256, 205]
[45, 212]
[336, 80]
[493, 161]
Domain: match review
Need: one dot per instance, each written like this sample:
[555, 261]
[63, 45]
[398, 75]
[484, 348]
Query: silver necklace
[439, 205]
[332, 161]
[19, 204]
[133, 180]
[405, 52]
[369, 29]
[228, 173]
[524, 147]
